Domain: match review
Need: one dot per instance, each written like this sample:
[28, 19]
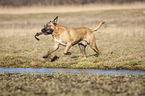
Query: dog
[69, 37]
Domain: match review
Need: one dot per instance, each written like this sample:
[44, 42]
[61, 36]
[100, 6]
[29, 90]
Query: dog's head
[50, 26]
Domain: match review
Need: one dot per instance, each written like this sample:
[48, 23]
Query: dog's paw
[68, 53]
[45, 56]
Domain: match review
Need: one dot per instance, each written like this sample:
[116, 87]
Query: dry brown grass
[70, 85]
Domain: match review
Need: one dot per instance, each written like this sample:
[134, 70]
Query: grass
[70, 85]
[120, 39]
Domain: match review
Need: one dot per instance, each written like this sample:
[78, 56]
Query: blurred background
[16, 3]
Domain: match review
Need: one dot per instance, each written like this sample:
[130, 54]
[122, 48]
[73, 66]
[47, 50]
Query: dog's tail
[96, 28]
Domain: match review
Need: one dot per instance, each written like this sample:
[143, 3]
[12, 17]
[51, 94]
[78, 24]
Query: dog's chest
[59, 41]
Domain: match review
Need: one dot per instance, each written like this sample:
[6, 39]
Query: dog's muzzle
[47, 31]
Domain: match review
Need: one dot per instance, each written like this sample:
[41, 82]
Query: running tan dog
[68, 37]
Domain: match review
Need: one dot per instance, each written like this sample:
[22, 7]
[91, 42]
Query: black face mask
[43, 30]
[47, 31]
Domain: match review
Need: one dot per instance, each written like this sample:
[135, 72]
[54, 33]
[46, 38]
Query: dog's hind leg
[93, 45]
[82, 46]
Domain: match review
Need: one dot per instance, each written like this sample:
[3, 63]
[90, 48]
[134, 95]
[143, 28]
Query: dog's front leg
[68, 46]
[56, 46]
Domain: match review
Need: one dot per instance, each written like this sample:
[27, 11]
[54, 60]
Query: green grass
[121, 40]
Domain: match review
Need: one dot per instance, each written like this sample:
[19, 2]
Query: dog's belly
[60, 41]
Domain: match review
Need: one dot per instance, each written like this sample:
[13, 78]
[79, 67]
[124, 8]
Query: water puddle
[70, 71]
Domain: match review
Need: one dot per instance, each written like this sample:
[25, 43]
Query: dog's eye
[46, 25]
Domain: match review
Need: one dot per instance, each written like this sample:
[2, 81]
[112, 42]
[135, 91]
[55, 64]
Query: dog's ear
[55, 20]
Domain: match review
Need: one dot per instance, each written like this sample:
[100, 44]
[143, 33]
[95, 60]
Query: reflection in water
[70, 71]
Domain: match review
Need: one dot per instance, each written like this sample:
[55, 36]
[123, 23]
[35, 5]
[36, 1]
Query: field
[121, 40]
[70, 85]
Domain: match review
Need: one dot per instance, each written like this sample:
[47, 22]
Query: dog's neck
[58, 30]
